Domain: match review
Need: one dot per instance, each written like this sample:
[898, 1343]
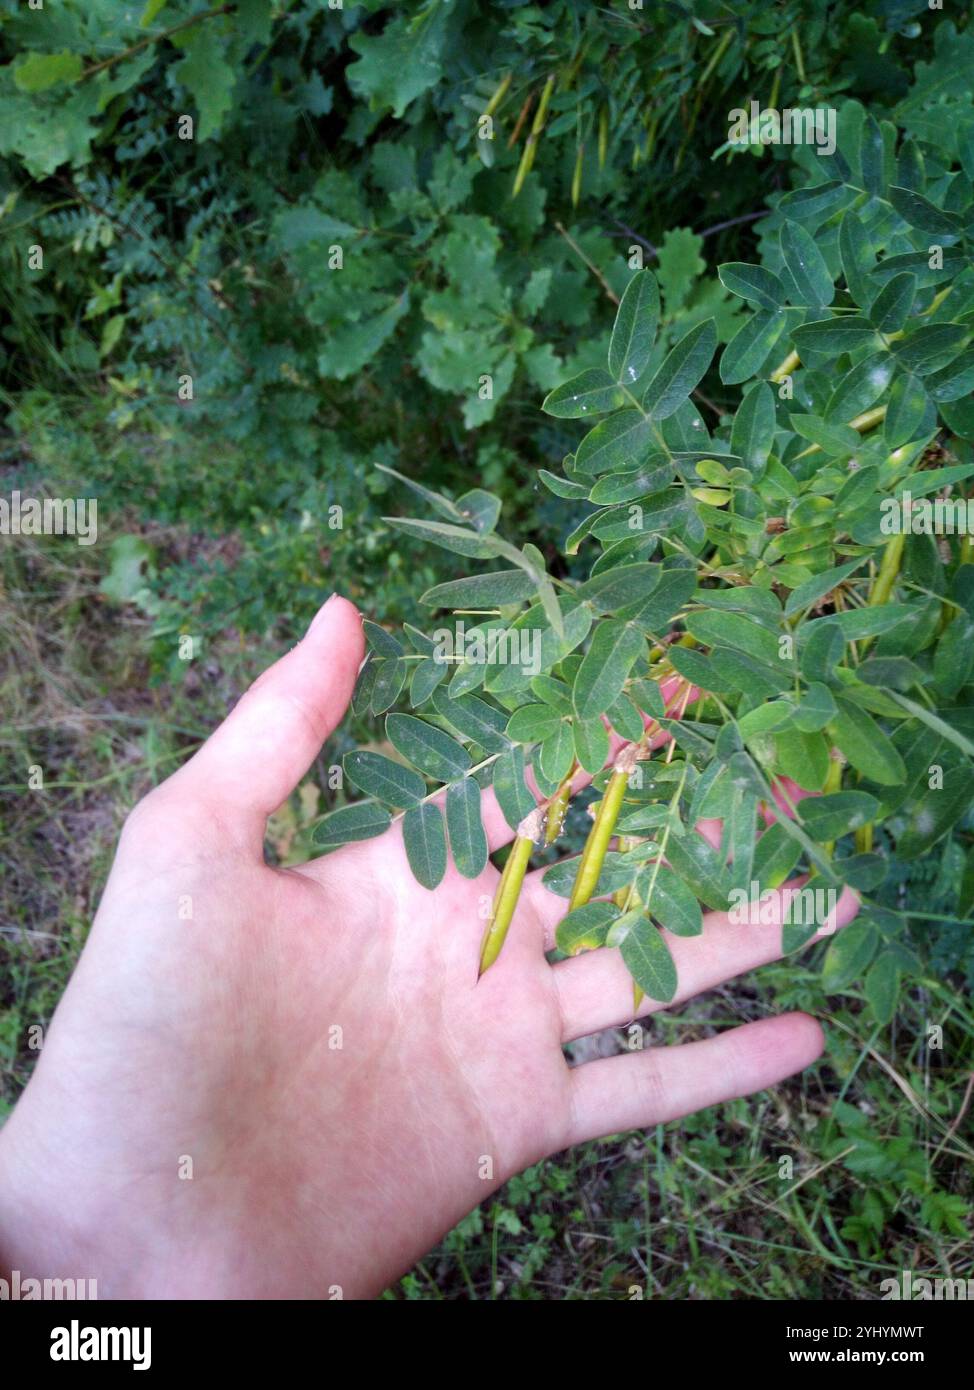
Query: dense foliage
[790, 568]
[194, 175]
[265, 265]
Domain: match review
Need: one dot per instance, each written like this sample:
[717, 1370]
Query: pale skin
[322, 1171]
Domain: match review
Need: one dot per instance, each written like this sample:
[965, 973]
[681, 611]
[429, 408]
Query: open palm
[290, 1083]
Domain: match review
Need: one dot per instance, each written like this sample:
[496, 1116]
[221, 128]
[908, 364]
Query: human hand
[206, 1044]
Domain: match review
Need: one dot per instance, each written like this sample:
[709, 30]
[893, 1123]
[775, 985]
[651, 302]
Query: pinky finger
[663, 1083]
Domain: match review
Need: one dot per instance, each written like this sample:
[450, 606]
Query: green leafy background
[354, 131]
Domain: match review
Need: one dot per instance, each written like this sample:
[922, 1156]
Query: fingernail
[320, 613]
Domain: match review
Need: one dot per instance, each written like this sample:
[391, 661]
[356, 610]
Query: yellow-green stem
[775, 87]
[531, 144]
[866, 421]
[557, 807]
[603, 135]
[651, 137]
[864, 838]
[577, 176]
[833, 783]
[793, 361]
[505, 899]
[542, 111]
[498, 96]
[602, 831]
[889, 568]
[622, 896]
[799, 57]
[786, 367]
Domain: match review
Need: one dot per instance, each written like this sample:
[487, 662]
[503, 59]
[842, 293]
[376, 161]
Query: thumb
[260, 752]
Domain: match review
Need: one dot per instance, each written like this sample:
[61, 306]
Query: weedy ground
[879, 1134]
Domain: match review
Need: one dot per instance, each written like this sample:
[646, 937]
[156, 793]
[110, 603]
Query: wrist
[58, 1222]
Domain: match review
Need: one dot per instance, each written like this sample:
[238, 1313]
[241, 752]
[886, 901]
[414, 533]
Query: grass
[819, 1188]
[709, 1208]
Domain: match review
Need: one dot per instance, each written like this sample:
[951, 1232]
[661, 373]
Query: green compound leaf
[753, 431]
[933, 811]
[806, 266]
[775, 856]
[533, 723]
[448, 536]
[614, 649]
[836, 814]
[592, 392]
[475, 719]
[754, 282]
[623, 441]
[626, 719]
[362, 821]
[585, 928]
[425, 841]
[735, 630]
[813, 589]
[931, 346]
[434, 752]
[384, 779]
[655, 613]
[873, 156]
[827, 338]
[906, 410]
[802, 757]
[557, 752]
[482, 590]
[399, 64]
[848, 956]
[669, 900]
[681, 371]
[621, 586]
[553, 692]
[634, 332]
[891, 307]
[467, 839]
[648, 960]
[882, 987]
[857, 735]
[822, 649]
[389, 677]
[856, 252]
[919, 212]
[750, 346]
[859, 388]
[207, 76]
[513, 797]
[698, 865]
[592, 742]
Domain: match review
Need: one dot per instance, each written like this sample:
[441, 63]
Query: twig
[593, 268]
[522, 117]
[636, 237]
[732, 222]
[151, 39]
[699, 396]
[955, 1123]
[707, 231]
